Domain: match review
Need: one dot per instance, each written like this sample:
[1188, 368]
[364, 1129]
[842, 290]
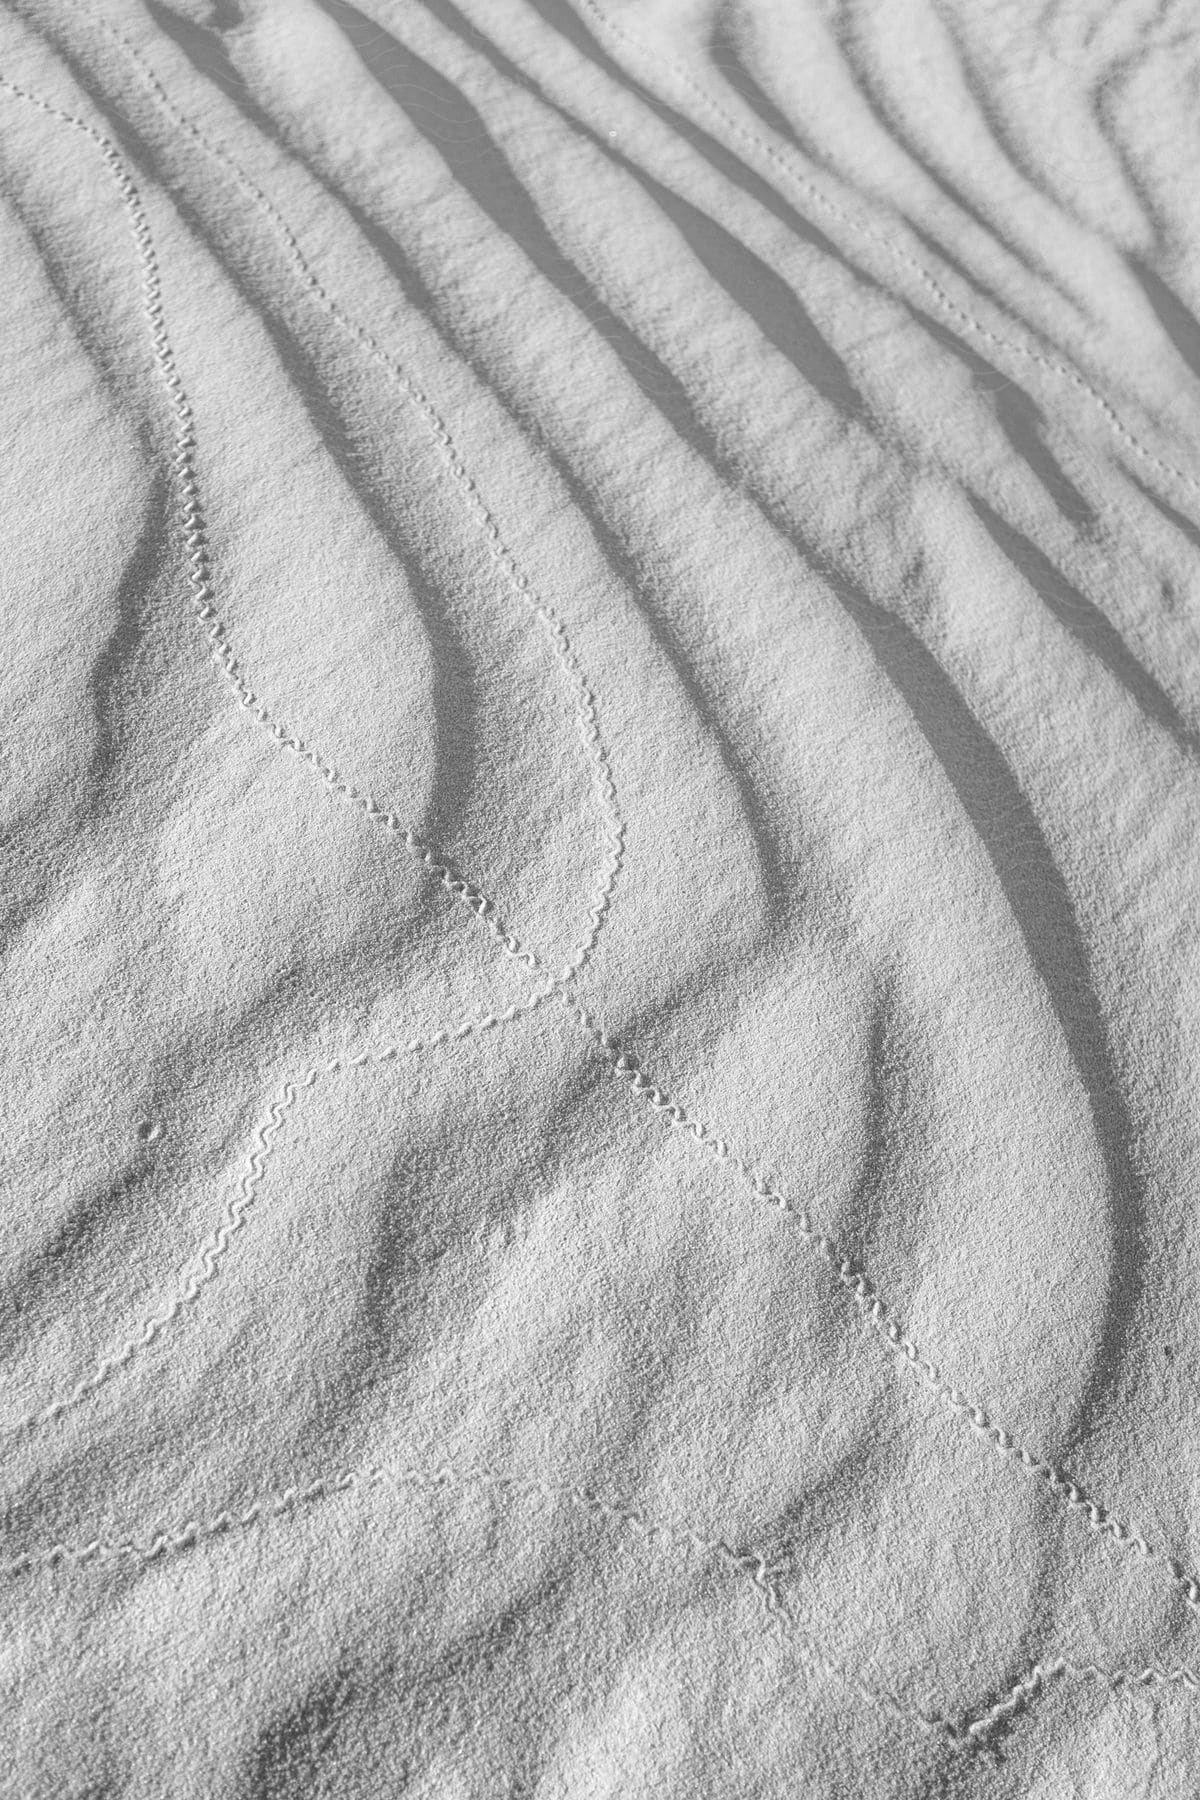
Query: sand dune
[600, 783]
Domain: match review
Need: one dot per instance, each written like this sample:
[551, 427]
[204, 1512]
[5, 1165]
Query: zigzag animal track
[876, 1315]
[212, 1251]
[787, 163]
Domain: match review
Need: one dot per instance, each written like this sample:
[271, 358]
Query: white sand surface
[600, 960]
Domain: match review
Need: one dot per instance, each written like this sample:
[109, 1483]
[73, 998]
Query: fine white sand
[601, 716]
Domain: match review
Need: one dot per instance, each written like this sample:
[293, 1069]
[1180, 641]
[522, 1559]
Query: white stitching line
[200, 577]
[788, 165]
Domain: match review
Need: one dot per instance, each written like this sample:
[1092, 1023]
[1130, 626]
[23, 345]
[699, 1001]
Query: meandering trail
[1027, 954]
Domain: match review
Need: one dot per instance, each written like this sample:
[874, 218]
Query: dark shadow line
[900, 134]
[684, 421]
[940, 253]
[1042, 1624]
[773, 872]
[1103, 98]
[1020, 418]
[452, 703]
[992, 117]
[89, 340]
[1179, 324]
[751, 283]
[1018, 414]
[562, 20]
[15, 835]
[119, 649]
[410, 83]
[767, 850]
[1042, 911]
[1086, 624]
[1041, 907]
[773, 875]
[1183, 525]
[763, 296]
[454, 756]
[618, 559]
[209, 56]
[292, 1746]
[726, 54]
[69, 1241]
[815, 1513]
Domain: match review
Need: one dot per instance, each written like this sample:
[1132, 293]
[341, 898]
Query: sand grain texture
[600, 776]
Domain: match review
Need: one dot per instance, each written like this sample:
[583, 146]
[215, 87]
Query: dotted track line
[587, 714]
[790, 168]
[204, 1265]
[620, 1514]
[878, 1315]
[279, 1503]
[852, 1279]
[200, 578]
[195, 534]
[972, 1733]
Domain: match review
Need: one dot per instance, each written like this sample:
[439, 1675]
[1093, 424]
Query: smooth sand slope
[600, 958]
